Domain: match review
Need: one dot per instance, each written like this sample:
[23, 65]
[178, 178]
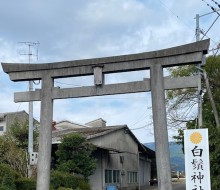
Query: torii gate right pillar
[160, 128]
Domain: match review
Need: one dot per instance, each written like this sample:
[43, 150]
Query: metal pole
[45, 136]
[160, 128]
[199, 78]
[30, 134]
[30, 128]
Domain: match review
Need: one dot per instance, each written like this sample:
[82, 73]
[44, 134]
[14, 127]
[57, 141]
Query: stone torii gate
[157, 84]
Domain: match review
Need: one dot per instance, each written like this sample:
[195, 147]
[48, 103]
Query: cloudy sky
[70, 30]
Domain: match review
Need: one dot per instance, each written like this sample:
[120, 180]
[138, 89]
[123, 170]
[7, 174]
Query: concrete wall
[3, 124]
[125, 161]
[97, 123]
[145, 171]
[96, 180]
[119, 140]
[10, 118]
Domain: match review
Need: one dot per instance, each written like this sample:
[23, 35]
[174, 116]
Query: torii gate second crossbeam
[157, 84]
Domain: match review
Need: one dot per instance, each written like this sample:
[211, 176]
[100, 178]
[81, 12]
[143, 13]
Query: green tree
[14, 146]
[178, 99]
[12, 155]
[75, 155]
[19, 132]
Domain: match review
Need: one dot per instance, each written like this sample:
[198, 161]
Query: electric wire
[139, 119]
[172, 12]
[68, 84]
[139, 128]
[211, 7]
[210, 27]
[216, 3]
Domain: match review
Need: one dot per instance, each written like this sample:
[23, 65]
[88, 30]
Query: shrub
[6, 169]
[25, 184]
[83, 185]
[66, 181]
[8, 181]
[7, 177]
[62, 179]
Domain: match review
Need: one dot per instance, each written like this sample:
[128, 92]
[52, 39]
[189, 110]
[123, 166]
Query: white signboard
[196, 147]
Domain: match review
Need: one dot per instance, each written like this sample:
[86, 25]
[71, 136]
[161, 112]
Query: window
[132, 177]
[1, 128]
[112, 176]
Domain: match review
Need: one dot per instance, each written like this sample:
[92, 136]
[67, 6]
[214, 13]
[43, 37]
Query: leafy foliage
[62, 180]
[180, 102]
[25, 184]
[12, 155]
[75, 155]
[7, 177]
[19, 132]
[212, 69]
[13, 146]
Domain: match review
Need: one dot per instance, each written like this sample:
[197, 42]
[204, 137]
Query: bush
[6, 169]
[7, 177]
[8, 182]
[62, 179]
[5, 188]
[25, 184]
[83, 185]
[65, 181]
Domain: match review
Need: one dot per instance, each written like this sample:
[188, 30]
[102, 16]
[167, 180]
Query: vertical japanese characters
[197, 159]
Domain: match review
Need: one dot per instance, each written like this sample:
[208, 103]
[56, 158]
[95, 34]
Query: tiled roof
[94, 132]
[88, 132]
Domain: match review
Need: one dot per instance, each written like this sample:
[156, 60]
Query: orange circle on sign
[196, 137]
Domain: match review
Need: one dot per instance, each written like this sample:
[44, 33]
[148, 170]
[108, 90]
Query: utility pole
[215, 112]
[30, 106]
[200, 71]
[199, 78]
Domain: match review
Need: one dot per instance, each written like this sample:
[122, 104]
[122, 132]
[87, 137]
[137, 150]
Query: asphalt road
[176, 186]
[180, 186]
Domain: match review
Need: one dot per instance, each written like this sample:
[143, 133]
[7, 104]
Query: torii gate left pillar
[45, 133]
[155, 61]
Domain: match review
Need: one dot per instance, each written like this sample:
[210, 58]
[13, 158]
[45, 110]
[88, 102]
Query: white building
[7, 119]
[122, 161]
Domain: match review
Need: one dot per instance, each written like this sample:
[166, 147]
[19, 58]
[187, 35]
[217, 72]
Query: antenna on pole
[31, 120]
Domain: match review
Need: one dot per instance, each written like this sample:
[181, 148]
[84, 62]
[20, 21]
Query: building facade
[122, 161]
[7, 119]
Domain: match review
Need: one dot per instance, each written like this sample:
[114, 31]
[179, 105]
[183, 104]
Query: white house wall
[3, 123]
[145, 172]
[126, 160]
[96, 180]
[117, 140]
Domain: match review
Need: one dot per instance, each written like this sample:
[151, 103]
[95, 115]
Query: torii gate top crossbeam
[181, 55]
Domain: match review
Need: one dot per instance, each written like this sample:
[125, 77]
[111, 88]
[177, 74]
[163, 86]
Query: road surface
[176, 186]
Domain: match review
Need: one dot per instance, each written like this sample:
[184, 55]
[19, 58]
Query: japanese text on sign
[197, 159]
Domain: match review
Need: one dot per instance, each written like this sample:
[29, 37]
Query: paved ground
[180, 185]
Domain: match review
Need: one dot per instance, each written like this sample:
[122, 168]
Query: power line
[216, 3]
[139, 128]
[215, 10]
[172, 12]
[210, 27]
[68, 84]
[139, 119]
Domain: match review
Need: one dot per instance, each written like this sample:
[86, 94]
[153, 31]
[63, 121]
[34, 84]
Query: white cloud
[69, 30]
